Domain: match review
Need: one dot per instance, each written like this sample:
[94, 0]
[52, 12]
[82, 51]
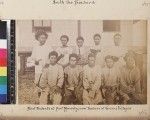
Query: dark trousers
[73, 97]
[110, 95]
[134, 99]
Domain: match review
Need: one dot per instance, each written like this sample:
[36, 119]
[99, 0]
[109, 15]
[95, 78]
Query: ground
[27, 92]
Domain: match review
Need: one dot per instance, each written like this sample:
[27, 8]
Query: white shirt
[83, 53]
[91, 77]
[119, 52]
[52, 76]
[39, 53]
[97, 47]
[81, 50]
[66, 51]
[111, 76]
[100, 55]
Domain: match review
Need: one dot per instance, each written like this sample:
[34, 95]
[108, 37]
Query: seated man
[130, 82]
[110, 79]
[91, 82]
[51, 81]
[73, 81]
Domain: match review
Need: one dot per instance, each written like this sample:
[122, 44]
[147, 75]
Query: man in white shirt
[98, 50]
[51, 81]
[81, 51]
[110, 79]
[97, 46]
[64, 51]
[91, 82]
[131, 79]
[39, 55]
[73, 81]
[118, 50]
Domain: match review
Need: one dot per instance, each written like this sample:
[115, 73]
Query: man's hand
[57, 90]
[93, 51]
[37, 62]
[98, 50]
[38, 89]
[131, 89]
[46, 65]
[79, 56]
[91, 94]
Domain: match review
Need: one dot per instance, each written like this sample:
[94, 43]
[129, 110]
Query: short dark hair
[91, 55]
[39, 33]
[114, 58]
[73, 55]
[117, 34]
[64, 36]
[53, 53]
[97, 35]
[80, 38]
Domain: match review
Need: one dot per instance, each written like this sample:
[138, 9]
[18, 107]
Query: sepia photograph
[81, 62]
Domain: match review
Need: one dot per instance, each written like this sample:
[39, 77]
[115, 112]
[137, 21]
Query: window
[41, 24]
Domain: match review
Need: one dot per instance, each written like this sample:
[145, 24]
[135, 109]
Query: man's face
[97, 40]
[109, 63]
[64, 41]
[91, 61]
[130, 62]
[73, 61]
[53, 59]
[80, 43]
[117, 40]
[42, 39]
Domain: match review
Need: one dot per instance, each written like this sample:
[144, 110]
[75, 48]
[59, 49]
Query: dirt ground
[26, 89]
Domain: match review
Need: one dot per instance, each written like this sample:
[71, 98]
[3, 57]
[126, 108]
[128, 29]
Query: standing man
[64, 51]
[81, 51]
[98, 50]
[118, 50]
[39, 57]
[39, 54]
[97, 46]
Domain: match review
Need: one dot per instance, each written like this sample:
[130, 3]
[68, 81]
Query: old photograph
[81, 62]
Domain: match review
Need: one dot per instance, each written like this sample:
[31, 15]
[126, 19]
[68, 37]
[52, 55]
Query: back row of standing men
[85, 76]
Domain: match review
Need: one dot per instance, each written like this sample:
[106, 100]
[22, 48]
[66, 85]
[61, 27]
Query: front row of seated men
[90, 84]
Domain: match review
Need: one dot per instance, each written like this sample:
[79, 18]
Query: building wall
[139, 33]
[132, 34]
[26, 39]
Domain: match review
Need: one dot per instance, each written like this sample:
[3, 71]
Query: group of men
[82, 75]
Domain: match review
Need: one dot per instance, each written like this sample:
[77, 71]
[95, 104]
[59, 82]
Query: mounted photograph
[81, 62]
